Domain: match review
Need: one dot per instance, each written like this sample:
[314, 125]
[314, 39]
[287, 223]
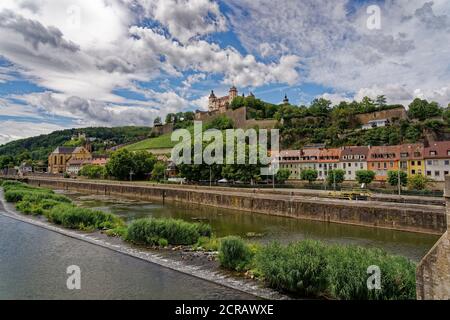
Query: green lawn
[161, 142]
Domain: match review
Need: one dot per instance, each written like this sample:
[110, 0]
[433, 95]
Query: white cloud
[14, 130]
[338, 50]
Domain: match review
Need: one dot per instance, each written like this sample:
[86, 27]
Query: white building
[353, 159]
[437, 160]
[376, 124]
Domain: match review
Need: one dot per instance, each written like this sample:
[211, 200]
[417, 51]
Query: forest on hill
[338, 125]
[38, 148]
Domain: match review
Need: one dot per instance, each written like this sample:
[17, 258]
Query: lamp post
[131, 174]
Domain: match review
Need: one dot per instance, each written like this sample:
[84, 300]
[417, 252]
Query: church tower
[212, 102]
[232, 94]
[286, 99]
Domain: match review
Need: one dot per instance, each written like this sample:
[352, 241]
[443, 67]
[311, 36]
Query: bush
[309, 175]
[418, 182]
[298, 268]
[93, 172]
[72, 217]
[176, 232]
[365, 176]
[234, 254]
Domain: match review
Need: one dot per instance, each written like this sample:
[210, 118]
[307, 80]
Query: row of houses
[70, 160]
[432, 161]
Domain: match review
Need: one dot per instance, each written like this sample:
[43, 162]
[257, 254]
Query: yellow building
[412, 159]
[58, 159]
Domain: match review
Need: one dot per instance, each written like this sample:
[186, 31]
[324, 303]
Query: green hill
[38, 148]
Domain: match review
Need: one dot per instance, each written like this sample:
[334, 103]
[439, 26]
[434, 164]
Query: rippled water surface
[33, 263]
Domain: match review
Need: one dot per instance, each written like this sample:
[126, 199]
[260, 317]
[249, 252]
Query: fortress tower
[221, 104]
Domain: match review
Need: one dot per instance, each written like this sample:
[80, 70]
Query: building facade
[328, 160]
[352, 160]
[383, 159]
[437, 160]
[59, 159]
[412, 159]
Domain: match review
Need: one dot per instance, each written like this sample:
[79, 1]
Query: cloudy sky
[76, 63]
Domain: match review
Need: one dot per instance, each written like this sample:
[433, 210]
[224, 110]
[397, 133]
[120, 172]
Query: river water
[33, 264]
[264, 228]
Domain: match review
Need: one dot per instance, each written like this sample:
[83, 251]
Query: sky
[77, 63]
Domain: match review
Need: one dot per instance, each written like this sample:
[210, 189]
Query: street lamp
[131, 174]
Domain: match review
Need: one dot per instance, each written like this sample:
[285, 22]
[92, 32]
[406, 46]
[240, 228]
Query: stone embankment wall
[433, 272]
[404, 217]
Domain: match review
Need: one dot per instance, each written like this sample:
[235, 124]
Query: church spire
[286, 99]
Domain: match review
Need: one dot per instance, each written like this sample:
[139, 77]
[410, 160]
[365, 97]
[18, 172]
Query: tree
[309, 175]
[365, 176]
[336, 176]
[393, 178]
[381, 101]
[282, 175]
[422, 109]
[158, 172]
[6, 162]
[123, 162]
[418, 182]
[157, 121]
[93, 172]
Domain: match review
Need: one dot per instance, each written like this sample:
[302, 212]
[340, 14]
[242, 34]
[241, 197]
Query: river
[264, 228]
[33, 264]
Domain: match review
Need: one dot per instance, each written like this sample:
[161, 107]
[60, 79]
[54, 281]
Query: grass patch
[176, 232]
[234, 254]
[313, 269]
[73, 217]
[161, 142]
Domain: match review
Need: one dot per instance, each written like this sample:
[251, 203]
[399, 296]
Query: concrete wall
[357, 213]
[433, 272]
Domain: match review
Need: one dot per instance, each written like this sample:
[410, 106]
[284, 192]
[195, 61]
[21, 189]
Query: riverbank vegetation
[57, 208]
[170, 231]
[313, 269]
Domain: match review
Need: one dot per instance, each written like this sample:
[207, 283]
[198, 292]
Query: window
[349, 173]
[413, 172]
[437, 173]
[413, 163]
[385, 165]
[345, 165]
[429, 162]
[349, 165]
[445, 173]
[429, 173]
[447, 162]
[361, 166]
[448, 152]
[433, 153]
[419, 163]
[404, 155]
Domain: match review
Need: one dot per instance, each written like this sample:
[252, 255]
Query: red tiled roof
[414, 151]
[442, 149]
[392, 151]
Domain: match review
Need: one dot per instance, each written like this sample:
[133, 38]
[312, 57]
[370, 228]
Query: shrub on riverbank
[72, 217]
[32, 200]
[234, 253]
[313, 269]
[176, 232]
[299, 268]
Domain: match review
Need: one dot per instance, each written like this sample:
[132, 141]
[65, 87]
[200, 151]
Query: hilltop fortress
[218, 106]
